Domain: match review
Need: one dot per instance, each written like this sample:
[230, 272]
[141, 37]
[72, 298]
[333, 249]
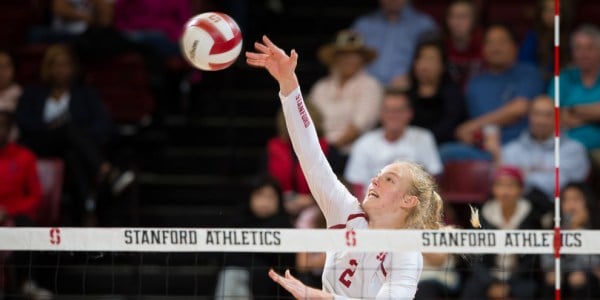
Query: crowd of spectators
[464, 91]
[400, 86]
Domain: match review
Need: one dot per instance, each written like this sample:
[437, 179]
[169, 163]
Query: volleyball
[211, 41]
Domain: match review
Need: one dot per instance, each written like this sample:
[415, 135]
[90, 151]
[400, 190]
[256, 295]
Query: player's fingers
[255, 63]
[254, 55]
[294, 55]
[273, 48]
[289, 276]
[262, 48]
[274, 275]
[269, 44]
[293, 288]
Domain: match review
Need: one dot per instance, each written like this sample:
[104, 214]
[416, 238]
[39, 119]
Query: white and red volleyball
[211, 41]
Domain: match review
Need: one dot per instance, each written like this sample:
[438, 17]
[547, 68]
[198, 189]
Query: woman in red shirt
[282, 164]
[20, 191]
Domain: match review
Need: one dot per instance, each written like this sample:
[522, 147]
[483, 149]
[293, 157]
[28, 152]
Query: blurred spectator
[533, 153]
[394, 141]
[581, 277]
[20, 191]
[580, 88]
[440, 278]
[505, 276]
[20, 196]
[498, 96]
[348, 98]
[245, 274]
[393, 31]
[10, 91]
[538, 46]
[157, 23]
[282, 164]
[464, 39]
[438, 102]
[65, 119]
[71, 18]
[309, 265]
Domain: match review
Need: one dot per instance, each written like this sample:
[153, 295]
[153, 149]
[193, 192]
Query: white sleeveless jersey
[347, 275]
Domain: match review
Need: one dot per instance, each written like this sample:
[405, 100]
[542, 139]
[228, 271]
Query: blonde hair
[50, 56]
[427, 214]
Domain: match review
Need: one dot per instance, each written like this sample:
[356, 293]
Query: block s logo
[351, 238]
[55, 236]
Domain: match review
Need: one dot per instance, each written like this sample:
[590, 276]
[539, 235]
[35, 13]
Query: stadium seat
[466, 181]
[587, 12]
[29, 58]
[519, 14]
[51, 174]
[435, 8]
[17, 18]
[124, 86]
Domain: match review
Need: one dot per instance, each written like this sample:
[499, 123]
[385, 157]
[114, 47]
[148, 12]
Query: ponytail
[429, 210]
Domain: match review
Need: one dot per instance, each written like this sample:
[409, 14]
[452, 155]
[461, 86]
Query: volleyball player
[401, 196]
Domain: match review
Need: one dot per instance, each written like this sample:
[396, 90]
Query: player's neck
[386, 222]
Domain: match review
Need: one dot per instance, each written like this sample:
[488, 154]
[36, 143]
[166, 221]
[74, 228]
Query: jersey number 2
[348, 273]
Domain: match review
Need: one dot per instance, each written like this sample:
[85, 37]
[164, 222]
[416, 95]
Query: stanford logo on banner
[55, 236]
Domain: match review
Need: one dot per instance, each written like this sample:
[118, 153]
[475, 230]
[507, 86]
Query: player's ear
[409, 201]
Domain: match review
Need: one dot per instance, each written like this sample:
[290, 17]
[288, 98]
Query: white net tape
[296, 240]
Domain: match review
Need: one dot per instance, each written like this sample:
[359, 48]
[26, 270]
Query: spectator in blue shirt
[580, 88]
[498, 96]
[393, 30]
[533, 153]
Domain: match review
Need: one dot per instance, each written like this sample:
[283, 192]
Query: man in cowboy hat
[348, 97]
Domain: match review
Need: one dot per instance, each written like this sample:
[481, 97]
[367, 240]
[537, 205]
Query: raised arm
[281, 66]
[333, 198]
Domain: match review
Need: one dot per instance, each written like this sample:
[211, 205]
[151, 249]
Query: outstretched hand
[298, 289]
[280, 65]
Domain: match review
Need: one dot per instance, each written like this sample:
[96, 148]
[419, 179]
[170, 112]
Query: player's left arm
[402, 277]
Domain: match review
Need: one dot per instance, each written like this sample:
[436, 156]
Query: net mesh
[157, 263]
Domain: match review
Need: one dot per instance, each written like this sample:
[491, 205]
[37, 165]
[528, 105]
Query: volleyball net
[226, 263]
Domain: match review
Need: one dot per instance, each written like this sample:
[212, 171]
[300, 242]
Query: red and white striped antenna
[557, 234]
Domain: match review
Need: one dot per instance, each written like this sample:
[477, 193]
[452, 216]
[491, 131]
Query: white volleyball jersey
[347, 275]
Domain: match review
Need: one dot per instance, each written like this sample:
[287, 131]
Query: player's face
[499, 49]
[506, 190]
[586, 52]
[6, 70]
[460, 20]
[386, 189]
[541, 118]
[429, 64]
[264, 202]
[574, 207]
